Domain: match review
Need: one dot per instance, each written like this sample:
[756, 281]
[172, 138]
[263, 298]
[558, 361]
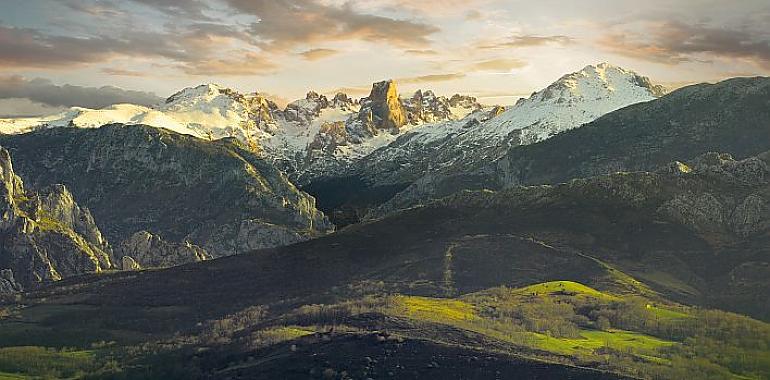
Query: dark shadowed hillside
[594, 268]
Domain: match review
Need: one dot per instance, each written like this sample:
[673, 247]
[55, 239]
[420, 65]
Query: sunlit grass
[568, 288]
[440, 310]
[464, 315]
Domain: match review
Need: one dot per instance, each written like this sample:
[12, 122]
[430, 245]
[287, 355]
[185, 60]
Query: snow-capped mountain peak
[317, 136]
[596, 82]
[204, 90]
[571, 101]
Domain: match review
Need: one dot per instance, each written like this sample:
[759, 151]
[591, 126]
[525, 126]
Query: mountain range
[602, 227]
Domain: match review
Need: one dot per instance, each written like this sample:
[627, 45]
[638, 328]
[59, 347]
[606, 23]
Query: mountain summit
[486, 134]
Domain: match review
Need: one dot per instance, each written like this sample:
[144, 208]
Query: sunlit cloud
[528, 41]
[316, 54]
[500, 64]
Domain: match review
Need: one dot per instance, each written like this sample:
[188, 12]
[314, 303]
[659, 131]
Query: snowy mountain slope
[386, 138]
[571, 101]
[311, 136]
[484, 136]
[207, 111]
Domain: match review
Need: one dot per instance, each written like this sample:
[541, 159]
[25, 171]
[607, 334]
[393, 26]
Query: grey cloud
[193, 9]
[197, 49]
[99, 8]
[45, 92]
[31, 48]
[673, 42]
[283, 24]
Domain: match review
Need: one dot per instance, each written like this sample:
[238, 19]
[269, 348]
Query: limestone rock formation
[183, 188]
[146, 250]
[330, 136]
[383, 109]
[47, 236]
[128, 263]
[8, 284]
[305, 110]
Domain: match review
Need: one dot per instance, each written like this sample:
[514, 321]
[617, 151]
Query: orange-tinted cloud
[122, 72]
[316, 54]
[528, 41]
[431, 78]
[500, 64]
[236, 64]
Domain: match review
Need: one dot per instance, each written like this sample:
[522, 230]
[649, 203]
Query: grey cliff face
[8, 284]
[47, 236]
[141, 178]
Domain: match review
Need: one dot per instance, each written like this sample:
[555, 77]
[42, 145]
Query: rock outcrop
[45, 237]
[128, 263]
[138, 178]
[8, 284]
[305, 110]
[426, 107]
[145, 250]
[734, 197]
[382, 109]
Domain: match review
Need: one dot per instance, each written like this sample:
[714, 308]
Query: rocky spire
[386, 109]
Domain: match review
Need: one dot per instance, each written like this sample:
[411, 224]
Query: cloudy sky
[60, 53]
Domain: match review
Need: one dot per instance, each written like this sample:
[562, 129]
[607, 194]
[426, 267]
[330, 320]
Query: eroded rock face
[383, 108]
[330, 136]
[176, 186]
[57, 203]
[8, 284]
[751, 215]
[427, 107]
[736, 202]
[45, 237]
[128, 263]
[702, 210]
[246, 236]
[146, 250]
[305, 110]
